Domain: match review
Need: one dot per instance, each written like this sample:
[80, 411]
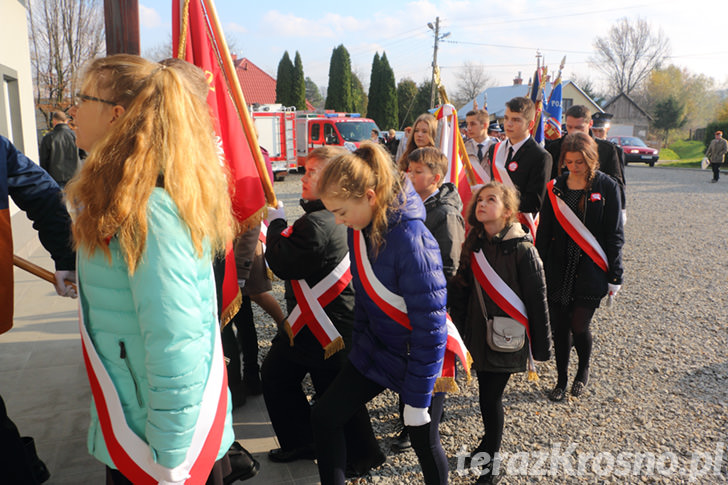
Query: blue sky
[503, 35]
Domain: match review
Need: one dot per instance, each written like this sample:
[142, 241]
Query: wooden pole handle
[39, 271]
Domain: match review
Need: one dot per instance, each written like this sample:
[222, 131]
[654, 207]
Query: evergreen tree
[422, 100]
[388, 108]
[298, 93]
[359, 99]
[313, 94]
[338, 93]
[406, 94]
[374, 107]
[284, 81]
[669, 115]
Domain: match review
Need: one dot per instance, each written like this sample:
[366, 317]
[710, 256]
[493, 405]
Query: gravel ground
[655, 409]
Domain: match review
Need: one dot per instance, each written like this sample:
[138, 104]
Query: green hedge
[712, 128]
[667, 154]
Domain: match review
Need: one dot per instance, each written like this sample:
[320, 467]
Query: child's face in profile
[423, 180]
[489, 207]
[354, 213]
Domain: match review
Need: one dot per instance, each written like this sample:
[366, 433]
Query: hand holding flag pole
[40, 272]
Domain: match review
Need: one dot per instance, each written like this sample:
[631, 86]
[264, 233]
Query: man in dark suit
[520, 158]
[579, 119]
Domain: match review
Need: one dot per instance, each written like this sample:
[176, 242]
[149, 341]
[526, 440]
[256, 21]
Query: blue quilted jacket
[154, 332]
[409, 265]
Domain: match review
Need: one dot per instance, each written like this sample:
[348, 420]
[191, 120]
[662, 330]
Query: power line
[515, 47]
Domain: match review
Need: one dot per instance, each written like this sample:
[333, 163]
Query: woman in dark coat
[578, 275]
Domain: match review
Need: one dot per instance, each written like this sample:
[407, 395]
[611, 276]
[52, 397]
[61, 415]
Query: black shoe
[486, 476]
[557, 394]
[360, 471]
[243, 464]
[279, 455]
[402, 442]
[577, 388]
[252, 384]
[40, 471]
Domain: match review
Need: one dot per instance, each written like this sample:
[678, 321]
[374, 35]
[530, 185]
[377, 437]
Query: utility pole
[438, 38]
[434, 60]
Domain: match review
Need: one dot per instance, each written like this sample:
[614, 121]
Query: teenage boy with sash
[312, 256]
[520, 162]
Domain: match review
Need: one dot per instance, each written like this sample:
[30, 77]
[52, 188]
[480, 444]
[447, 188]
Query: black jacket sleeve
[533, 287]
[299, 254]
[35, 192]
[534, 190]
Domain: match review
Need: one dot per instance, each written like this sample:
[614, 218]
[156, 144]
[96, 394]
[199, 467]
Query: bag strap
[479, 291]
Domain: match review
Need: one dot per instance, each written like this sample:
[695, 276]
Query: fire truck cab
[346, 130]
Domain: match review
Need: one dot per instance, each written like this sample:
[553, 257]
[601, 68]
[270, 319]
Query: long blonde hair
[350, 175]
[431, 123]
[164, 138]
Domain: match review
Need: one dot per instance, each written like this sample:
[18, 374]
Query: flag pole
[239, 100]
[461, 144]
[38, 271]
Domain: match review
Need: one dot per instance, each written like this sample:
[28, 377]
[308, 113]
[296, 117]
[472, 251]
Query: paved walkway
[44, 384]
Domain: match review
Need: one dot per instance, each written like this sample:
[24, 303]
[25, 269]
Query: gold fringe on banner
[232, 310]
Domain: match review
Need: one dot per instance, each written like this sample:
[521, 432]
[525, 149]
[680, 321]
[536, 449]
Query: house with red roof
[258, 86]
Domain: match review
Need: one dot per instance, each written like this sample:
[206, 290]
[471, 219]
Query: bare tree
[472, 80]
[63, 35]
[628, 53]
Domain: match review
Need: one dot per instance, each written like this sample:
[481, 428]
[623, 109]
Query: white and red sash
[500, 174]
[132, 455]
[309, 310]
[394, 307]
[576, 229]
[503, 296]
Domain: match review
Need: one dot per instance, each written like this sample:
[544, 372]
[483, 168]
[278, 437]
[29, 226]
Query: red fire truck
[276, 128]
[347, 130]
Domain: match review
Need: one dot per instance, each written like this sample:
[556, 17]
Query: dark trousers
[491, 386]
[716, 170]
[15, 464]
[349, 391]
[246, 342]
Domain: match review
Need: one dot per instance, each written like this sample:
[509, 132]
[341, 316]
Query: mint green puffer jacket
[154, 333]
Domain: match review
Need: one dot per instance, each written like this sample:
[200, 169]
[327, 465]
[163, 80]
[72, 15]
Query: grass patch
[681, 163]
[688, 149]
[667, 154]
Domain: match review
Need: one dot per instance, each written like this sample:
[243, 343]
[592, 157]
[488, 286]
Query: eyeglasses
[79, 98]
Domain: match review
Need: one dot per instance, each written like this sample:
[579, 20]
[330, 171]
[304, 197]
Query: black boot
[40, 471]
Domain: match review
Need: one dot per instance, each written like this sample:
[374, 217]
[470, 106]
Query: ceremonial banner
[536, 96]
[194, 41]
[454, 150]
[553, 113]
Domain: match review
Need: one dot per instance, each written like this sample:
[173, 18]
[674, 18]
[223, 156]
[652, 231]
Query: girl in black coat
[576, 282]
[508, 249]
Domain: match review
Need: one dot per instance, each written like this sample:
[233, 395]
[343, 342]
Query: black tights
[565, 322]
[491, 386]
[349, 392]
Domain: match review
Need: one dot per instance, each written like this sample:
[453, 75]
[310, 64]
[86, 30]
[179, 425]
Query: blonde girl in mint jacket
[152, 207]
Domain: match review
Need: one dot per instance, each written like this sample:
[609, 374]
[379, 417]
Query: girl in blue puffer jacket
[399, 334]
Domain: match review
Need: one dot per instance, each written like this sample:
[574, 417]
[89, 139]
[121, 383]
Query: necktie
[510, 155]
[480, 152]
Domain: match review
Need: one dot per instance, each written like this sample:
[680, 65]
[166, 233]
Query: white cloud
[330, 25]
[235, 27]
[149, 17]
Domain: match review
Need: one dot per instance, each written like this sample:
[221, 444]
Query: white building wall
[17, 114]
